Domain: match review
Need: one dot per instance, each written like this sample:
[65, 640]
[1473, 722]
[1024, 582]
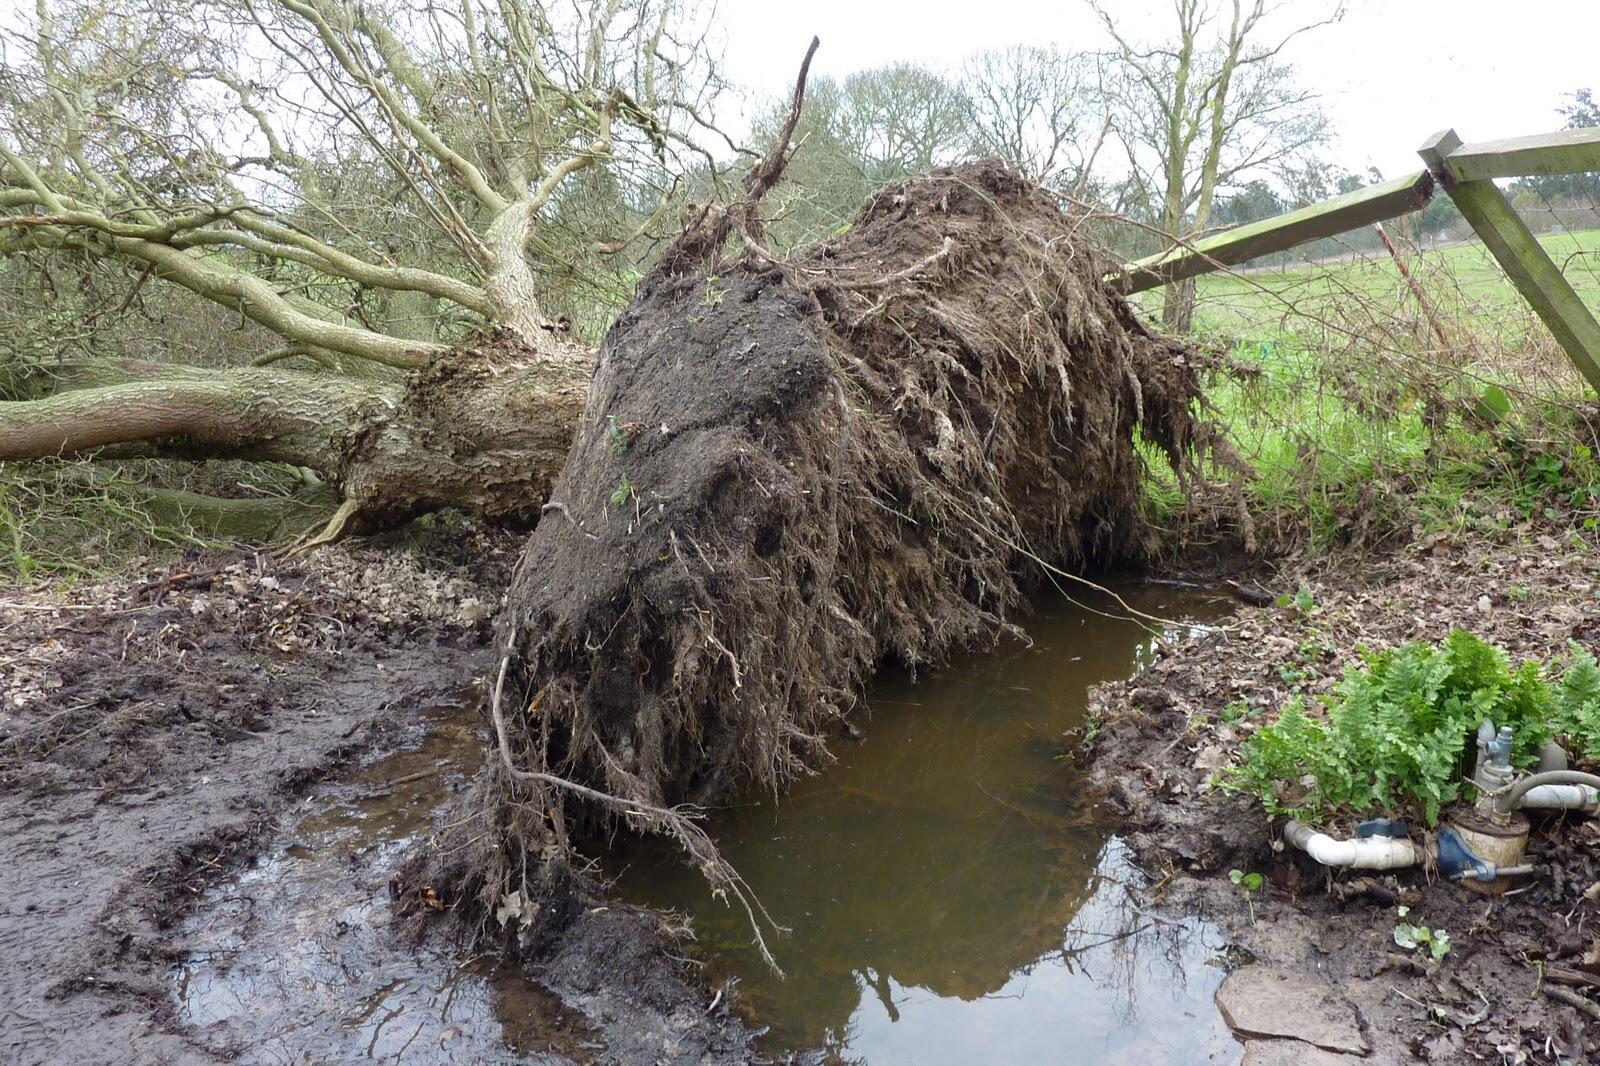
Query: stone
[1263, 1001]
[1292, 1053]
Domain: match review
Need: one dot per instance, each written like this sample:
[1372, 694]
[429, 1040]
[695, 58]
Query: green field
[1360, 423]
[1463, 280]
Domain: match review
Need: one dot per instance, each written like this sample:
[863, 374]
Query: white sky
[1392, 73]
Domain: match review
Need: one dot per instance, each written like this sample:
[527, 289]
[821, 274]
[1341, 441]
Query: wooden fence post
[1521, 256]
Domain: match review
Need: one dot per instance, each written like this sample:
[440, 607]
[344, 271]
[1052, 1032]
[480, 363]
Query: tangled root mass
[789, 473]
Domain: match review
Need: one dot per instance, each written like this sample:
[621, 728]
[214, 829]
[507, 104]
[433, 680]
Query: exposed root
[678, 824]
[338, 527]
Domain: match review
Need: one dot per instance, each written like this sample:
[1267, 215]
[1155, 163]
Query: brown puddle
[953, 897]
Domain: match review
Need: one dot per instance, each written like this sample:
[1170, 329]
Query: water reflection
[294, 961]
[953, 898]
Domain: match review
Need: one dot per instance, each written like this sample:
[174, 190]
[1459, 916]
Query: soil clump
[789, 472]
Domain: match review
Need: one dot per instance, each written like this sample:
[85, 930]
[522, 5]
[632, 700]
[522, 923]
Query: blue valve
[1382, 827]
[1457, 861]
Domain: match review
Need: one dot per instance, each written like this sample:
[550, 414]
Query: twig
[703, 239]
[764, 175]
[565, 512]
[1082, 185]
[10, 606]
[133, 291]
[1415, 285]
[1566, 976]
[1572, 999]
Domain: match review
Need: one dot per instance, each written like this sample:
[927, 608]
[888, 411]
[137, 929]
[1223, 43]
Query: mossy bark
[483, 427]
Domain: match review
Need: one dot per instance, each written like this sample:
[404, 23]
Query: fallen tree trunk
[483, 427]
[790, 472]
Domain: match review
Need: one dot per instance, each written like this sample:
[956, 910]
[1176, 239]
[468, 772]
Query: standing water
[953, 895]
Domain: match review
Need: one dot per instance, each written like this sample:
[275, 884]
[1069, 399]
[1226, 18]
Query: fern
[1578, 696]
[1397, 728]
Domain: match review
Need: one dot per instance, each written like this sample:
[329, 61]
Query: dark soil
[157, 736]
[1505, 993]
[788, 474]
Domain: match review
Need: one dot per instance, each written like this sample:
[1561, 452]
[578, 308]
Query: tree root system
[789, 472]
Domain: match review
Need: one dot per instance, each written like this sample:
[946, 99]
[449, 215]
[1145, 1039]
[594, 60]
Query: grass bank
[1369, 418]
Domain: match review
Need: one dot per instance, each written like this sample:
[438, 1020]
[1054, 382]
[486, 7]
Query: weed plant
[1395, 735]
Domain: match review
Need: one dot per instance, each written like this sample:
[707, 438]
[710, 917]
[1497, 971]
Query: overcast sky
[1392, 73]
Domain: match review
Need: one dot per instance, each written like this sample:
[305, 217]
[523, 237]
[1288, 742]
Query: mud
[1518, 985]
[302, 955]
[160, 739]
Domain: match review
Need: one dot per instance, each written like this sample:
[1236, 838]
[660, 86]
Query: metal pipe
[1525, 869]
[1362, 853]
[1512, 798]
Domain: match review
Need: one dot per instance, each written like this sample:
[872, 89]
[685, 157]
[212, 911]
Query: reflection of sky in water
[1134, 991]
[294, 960]
[952, 896]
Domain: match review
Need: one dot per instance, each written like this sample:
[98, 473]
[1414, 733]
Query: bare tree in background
[1033, 107]
[1209, 104]
[856, 135]
[288, 159]
[1038, 108]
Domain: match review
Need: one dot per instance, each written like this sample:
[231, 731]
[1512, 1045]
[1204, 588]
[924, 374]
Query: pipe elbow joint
[1361, 853]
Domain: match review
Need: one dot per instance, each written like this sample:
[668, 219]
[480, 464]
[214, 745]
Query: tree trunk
[1180, 134]
[483, 427]
[1177, 307]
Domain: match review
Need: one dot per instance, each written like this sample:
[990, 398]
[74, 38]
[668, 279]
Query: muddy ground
[161, 736]
[1520, 984]
[156, 736]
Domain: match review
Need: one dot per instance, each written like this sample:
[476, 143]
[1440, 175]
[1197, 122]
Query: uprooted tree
[789, 471]
[463, 157]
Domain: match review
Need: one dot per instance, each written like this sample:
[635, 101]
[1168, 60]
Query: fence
[1466, 172]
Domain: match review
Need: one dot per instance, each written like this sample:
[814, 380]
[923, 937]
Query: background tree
[1037, 108]
[365, 184]
[1211, 104]
[856, 135]
[1033, 107]
[1579, 112]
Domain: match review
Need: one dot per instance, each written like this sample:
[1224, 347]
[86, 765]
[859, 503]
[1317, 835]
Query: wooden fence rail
[1466, 172]
[1567, 152]
[1508, 238]
[1375, 203]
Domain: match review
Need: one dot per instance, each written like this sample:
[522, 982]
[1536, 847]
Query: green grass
[1361, 427]
[1464, 280]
